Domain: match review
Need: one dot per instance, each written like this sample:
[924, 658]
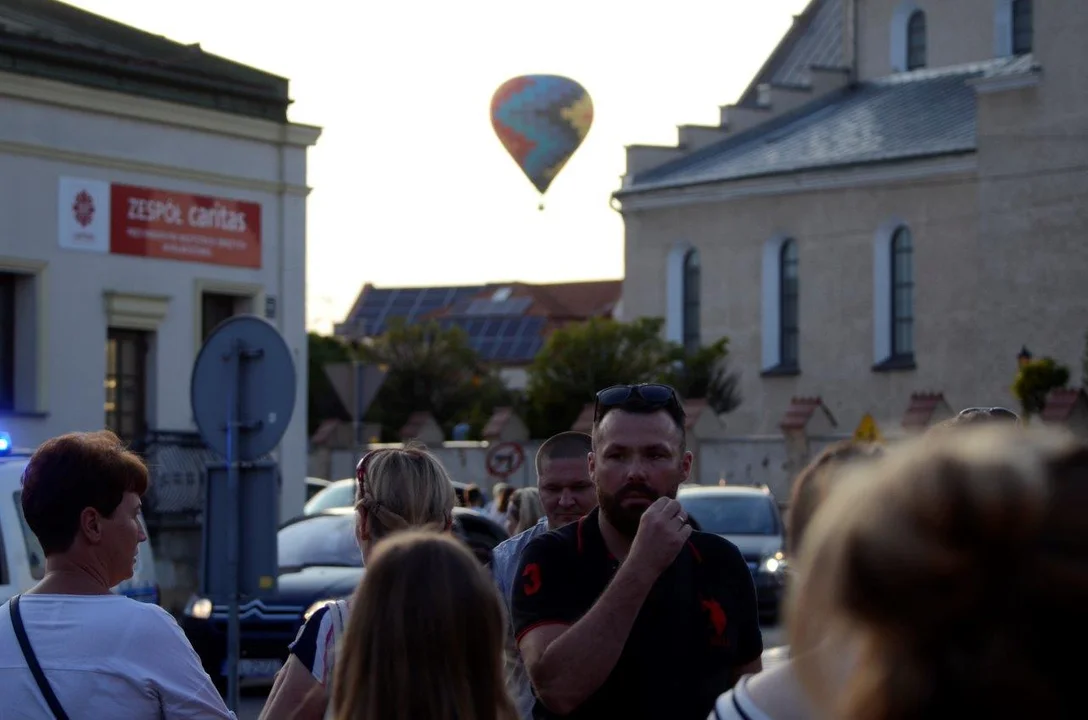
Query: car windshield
[327, 540]
[732, 514]
[335, 495]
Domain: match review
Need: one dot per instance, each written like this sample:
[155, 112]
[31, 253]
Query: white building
[148, 190]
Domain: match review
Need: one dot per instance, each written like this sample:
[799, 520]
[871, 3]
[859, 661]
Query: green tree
[434, 369]
[704, 373]
[581, 358]
[1035, 380]
[323, 402]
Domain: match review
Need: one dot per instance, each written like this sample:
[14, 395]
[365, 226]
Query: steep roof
[906, 116]
[815, 39]
[54, 40]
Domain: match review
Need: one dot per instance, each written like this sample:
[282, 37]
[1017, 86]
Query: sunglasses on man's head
[645, 397]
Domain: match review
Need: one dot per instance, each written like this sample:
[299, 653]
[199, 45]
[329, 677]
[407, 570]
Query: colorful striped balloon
[541, 120]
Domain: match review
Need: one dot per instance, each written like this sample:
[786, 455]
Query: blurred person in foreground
[99, 655]
[396, 489]
[524, 512]
[628, 612]
[775, 693]
[950, 580]
[566, 493]
[425, 637]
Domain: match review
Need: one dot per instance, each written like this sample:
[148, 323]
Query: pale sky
[411, 186]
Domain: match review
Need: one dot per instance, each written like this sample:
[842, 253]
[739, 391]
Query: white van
[22, 562]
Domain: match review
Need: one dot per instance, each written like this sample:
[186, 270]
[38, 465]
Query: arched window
[916, 40]
[692, 291]
[902, 300]
[788, 325]
[1023, 27]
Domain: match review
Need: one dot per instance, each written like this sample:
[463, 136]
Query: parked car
[319, 562]
[341, 493]
[748, 517]
[22, 562]
[314, 486]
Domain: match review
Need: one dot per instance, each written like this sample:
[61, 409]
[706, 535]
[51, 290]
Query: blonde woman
[523, 511]
[425, 637]
[395, 490]
[775, 693]
[953, 578]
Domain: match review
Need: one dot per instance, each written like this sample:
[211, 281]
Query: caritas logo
[83, 208]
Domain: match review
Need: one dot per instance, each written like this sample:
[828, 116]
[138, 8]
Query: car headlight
[774, 564]
[315, 607]
[199, 608]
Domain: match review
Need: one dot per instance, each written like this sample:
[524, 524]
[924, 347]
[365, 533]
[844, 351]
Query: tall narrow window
[692, 290]
[902, 294]
[916, 40]
[7, 341]
[787, 304]
[126, 384]
[1023, 27]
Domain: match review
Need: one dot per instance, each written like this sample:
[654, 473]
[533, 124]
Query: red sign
[504, 459]
[177, 226]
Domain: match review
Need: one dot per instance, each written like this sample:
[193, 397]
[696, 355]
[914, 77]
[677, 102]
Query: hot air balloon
[541, 120]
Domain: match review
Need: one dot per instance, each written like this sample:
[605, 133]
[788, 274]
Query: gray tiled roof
[816, 38]
[908, 115]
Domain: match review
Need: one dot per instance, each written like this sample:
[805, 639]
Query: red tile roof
[1060, 404]
[920, 411]
[800, 411]
[498, 421]
[416, 422]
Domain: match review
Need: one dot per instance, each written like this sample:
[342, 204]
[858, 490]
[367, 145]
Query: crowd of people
[936, 577]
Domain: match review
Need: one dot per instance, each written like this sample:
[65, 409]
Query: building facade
[889, 213]
[151, 190]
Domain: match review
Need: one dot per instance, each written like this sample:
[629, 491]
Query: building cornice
[1004, 83]
[106, 102]
[800, 182]
[44, 152]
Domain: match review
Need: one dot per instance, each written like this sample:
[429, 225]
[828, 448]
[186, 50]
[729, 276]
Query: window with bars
[692, 294]
[7, 341]
[916, 40]
[902, 304]
[1023, 27]
[788, 296]
[126, 384]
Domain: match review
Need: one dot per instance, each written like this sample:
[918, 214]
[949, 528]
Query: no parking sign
[504, 459]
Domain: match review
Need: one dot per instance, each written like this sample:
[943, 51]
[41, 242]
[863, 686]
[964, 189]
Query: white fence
[756, 460]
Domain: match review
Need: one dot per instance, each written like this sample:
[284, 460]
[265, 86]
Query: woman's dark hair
[73, 472]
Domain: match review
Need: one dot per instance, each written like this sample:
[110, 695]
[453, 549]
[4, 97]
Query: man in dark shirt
[628, 613]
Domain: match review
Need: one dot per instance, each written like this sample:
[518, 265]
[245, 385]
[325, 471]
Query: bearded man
[628, 612]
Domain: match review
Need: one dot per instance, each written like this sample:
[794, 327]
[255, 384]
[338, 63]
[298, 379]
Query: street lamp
[1024, 357]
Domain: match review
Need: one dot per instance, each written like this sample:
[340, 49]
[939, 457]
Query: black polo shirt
[698, 623]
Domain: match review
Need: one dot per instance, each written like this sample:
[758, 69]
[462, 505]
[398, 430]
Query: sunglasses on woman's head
[998, 413]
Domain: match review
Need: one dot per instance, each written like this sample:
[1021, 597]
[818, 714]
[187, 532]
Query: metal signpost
[243, 395]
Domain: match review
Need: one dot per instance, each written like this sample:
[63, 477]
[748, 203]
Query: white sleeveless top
[737, 704]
